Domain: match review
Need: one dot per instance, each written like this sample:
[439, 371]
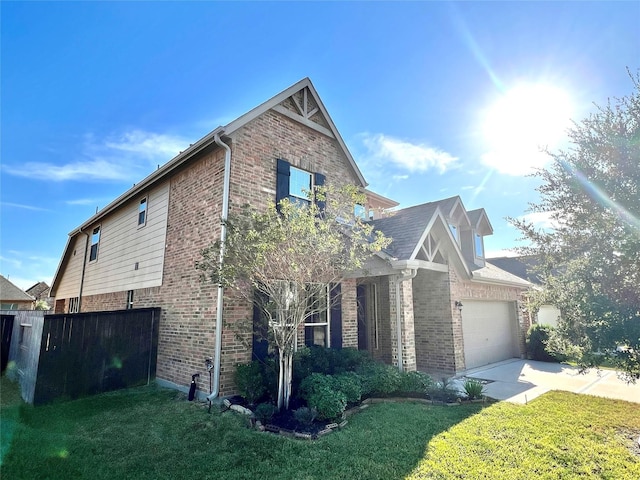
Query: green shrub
[264, 412]
[349, 360]
[305, 415]
[473, 388]
[414, 382]
[350, 384]
[250, 381]
[379, 379]
[314, 383]
[537, 338]
[318, 390]
[329, 403]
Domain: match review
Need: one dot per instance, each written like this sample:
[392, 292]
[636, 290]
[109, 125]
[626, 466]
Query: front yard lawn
[151, 433]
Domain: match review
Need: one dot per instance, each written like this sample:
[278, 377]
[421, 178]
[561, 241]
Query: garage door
[489, 332]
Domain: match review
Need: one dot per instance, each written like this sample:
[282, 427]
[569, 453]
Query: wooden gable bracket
[306, 111]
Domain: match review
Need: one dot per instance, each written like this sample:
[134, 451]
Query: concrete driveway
[520, 381]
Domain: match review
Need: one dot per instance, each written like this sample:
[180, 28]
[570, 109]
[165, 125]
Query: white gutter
[401, 278]
[223, 237]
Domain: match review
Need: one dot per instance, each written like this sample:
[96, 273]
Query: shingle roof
[519, 266]
[38, 289]
[406, 227]
[492, 273]
[9, 292]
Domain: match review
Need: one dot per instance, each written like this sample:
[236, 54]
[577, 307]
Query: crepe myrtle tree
[284, 259]
[590, 261]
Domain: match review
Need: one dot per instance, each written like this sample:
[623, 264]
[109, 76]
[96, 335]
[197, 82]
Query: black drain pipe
[193, 387]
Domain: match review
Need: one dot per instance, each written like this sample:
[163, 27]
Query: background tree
[590, 260]
[290, 256]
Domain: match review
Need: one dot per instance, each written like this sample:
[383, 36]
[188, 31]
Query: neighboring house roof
[10, 293]
[519, 266]
[40, 289]
[494, 274]
[307, 110]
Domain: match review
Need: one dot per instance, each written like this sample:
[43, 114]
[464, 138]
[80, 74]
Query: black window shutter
[260, 341]
[282, 181]
[336, 317]
[319, 182]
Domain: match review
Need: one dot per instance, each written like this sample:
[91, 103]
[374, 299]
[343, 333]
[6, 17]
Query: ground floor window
[317, 326]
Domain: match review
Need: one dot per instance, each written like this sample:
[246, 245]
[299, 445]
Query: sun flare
[522, 122]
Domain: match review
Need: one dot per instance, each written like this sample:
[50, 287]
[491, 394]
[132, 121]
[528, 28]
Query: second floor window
[142, 212]
[479, 245]
[300, 183]
[95, 241]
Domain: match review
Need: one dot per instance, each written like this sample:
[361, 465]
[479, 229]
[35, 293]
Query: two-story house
[140, 251]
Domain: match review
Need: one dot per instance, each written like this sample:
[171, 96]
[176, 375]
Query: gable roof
[406, 227]
[9, 292]
[310, 97]
[410, 226]
[38, 289]
[480, 221]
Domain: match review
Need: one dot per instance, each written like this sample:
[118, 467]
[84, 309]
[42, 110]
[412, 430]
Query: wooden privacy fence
[87, 353]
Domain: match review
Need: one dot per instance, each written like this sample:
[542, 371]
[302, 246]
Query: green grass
[151, 433]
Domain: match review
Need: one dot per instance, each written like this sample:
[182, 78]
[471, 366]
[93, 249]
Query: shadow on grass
[152, 433]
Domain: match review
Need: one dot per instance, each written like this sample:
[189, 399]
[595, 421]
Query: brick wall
[436, 342]
[438, 323]
[187, 324]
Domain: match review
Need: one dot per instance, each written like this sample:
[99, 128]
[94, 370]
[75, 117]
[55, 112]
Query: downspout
[401, 278]
[223, 237]
[84, 268]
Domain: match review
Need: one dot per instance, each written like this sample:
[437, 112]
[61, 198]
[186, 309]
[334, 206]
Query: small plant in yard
[442, 392]
[264, 412]
[474, 388]
[250, 381]
[305, 415]
[414, 383]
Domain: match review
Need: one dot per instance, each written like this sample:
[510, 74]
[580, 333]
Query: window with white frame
[479, 246]
[142, 212]
[300, 184]
[95, 241]
[316, 327]
[454, 231]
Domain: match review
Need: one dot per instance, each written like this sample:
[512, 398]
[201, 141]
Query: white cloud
[467, 187]
[24, 207]
[408, 156]
[25, 269]
[400, 177]
[86, 201]
[123, 157]
[541, 220]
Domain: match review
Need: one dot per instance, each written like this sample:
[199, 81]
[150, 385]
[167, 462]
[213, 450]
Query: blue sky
[432, 99]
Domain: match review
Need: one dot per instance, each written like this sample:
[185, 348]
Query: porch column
[406, 323]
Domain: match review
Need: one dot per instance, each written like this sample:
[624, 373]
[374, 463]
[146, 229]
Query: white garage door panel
[488, 331]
